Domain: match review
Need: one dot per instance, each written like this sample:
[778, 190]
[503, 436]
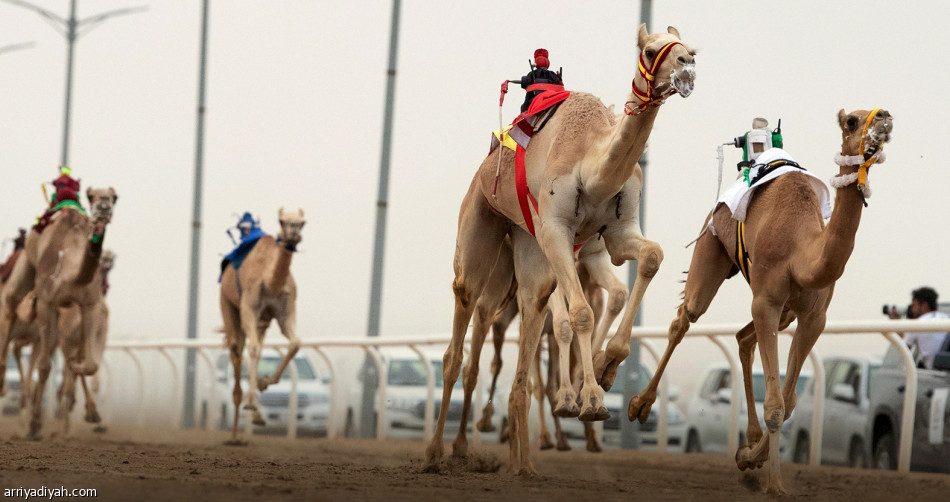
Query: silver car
[708, 412]
[846, 414]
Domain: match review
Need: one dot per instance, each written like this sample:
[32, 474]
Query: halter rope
[647, 97]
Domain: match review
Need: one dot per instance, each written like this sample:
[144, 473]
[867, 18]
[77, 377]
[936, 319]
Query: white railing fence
[371, 346]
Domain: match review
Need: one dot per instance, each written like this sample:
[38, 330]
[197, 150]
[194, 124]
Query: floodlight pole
[630, 431]
[71, 28]
[367, 419]
[188, 406]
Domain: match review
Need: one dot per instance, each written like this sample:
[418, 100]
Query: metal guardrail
[712, 332]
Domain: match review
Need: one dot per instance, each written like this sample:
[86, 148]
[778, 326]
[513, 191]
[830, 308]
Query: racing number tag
[938, 403]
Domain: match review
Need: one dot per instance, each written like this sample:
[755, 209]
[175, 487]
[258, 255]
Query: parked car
[406, 394]
[313, 396]
[708, 412]
[847, 405]
[615, 403]
[930, 449]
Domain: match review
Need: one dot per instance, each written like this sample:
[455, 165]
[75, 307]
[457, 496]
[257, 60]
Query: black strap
[771, 166]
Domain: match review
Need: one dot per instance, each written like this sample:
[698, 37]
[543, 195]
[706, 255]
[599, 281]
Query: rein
[648, 98]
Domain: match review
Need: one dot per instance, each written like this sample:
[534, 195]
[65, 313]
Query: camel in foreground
[795, 261]
[61, 268]
[582, 168]
[261, 290]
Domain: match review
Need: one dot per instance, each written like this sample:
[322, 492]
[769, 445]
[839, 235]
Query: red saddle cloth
[525, 124]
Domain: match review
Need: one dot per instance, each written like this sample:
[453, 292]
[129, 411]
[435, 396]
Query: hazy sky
[294, 118]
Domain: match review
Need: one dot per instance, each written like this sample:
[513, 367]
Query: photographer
[923, 306]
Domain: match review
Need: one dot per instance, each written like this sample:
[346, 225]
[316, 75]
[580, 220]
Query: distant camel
[262, 290]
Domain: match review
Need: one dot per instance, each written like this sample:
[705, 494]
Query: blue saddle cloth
[236, 257]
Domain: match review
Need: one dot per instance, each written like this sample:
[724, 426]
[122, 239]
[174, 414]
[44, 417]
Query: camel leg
[746, 339]
[537, 388]
[551, 389]
[288, 327]
[557, 244]
[235, 340]
[708, 268]
[492, 299]
[47, 316]
[601, 274]
[766, 315]
[480, 237]
[567, 405]
[17, 286]
[253, 339]
[626, 244]
[810, 326]
[499, 327]
[535, 285]
[26, 375]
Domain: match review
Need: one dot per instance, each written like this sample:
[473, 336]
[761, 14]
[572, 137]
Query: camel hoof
[250, 406]
[571, 410]
[592, 414]
[99, 429]
[546, 443]
[503, 433]
[264, 382]
[563, 446]
[775, 491]
[485, 426]
[259, 421]
[92, 417]
[638, 409]
[529, 473]
[594, 448]
[743, 455]
[460, 449]
[235, 442]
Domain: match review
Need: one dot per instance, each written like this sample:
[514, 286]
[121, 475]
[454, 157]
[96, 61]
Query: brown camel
[61, 268]
[262, 290]
[583, 169]
[795, 261]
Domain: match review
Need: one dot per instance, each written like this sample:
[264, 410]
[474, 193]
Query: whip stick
[501, 135]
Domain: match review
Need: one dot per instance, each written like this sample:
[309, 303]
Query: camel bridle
[863, 160]
[648, 98]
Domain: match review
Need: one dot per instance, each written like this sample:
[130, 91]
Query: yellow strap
[863, 170]
[506, 140]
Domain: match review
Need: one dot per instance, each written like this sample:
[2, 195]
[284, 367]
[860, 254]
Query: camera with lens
[899, 311]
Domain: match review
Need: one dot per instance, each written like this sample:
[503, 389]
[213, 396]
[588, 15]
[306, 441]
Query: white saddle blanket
[738, 196]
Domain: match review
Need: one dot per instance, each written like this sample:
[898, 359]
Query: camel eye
[852, 122]
[649, 53]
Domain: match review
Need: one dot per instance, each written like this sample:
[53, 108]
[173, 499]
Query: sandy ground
[128, 463]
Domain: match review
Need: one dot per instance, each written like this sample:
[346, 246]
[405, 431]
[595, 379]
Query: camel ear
[673, 31]
[842, 117]
[89, 194]
[280, 212]
[642, 36]
[301, 212]
[115, 198]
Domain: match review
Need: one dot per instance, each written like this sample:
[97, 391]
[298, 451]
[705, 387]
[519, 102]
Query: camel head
[667, 61]
[106, 261]
[864, 134]
[101, 201]
[291, 224]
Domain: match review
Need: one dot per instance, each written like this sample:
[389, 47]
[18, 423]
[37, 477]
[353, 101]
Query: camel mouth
[685, 85]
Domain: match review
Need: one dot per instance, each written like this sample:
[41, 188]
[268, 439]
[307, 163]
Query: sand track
[129, 463]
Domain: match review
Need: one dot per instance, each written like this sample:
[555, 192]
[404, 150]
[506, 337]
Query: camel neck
[281, 268]
[834, 246]
[626, 145]
[90, 259]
